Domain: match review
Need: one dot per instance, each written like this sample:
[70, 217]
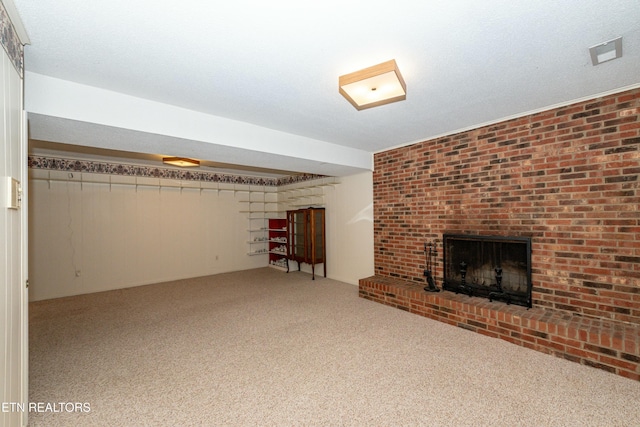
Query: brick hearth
[608, 345]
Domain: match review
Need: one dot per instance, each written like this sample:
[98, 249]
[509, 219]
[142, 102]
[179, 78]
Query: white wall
[350, 228]
[89, 237]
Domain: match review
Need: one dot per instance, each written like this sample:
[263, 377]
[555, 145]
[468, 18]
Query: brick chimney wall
[567, 178]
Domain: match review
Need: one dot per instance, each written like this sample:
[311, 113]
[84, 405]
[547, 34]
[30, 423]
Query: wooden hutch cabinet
[306, 238]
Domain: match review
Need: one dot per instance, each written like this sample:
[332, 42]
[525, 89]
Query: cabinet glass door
[318, 221]
[299, 226]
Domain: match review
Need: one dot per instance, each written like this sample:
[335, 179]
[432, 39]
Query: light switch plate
[14, 193]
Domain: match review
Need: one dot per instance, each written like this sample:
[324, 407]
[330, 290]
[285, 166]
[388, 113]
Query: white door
[13, 255]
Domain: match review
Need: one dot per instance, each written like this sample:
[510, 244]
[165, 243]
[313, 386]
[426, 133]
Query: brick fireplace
[567, 179]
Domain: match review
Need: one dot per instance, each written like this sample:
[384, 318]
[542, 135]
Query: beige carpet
[263, 347]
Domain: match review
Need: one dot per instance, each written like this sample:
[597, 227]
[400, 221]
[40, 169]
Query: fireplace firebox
[494, 267]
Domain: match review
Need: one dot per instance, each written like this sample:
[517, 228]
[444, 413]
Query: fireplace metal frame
[492, 291]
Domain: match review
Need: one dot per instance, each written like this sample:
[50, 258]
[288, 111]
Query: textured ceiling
[276, 64]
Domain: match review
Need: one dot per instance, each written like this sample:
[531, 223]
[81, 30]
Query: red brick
[617, 363]
[631, 375]
[582, 353]
[566, 341]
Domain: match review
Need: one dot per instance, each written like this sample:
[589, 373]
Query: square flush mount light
[183, 162]
[606, 51]
[374, 86]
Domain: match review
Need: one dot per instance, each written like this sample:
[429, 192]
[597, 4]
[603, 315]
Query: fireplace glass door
[494, 267]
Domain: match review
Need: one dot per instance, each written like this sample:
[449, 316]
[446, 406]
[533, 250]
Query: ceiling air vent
[606, 51]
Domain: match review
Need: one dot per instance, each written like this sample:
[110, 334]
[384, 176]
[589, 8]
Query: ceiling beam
[172, 130]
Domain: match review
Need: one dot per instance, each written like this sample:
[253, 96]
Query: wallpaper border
[10, 41]
[74, 165]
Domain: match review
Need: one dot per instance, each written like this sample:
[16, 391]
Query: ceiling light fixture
[373, 86]
[606, 51]
[183, 162]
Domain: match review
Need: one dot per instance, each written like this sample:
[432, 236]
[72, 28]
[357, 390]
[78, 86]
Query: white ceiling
[275, 64]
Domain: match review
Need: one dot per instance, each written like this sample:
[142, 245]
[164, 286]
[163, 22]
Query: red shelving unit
[278, 244]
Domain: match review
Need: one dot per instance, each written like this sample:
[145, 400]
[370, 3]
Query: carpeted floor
[262, 347]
